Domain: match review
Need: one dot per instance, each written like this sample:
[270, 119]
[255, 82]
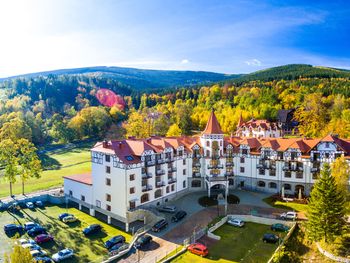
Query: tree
[28, 161]
[19, 255]
[174, 130]
[326, 208]
[340, 172]
[138, 125]
[9, 160]
[14, 129]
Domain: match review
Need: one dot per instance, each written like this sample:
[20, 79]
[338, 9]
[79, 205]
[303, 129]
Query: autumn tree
[174, 130]
[9, 160]
[19, 255]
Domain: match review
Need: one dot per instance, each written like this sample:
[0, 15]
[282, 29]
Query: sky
[220, 36]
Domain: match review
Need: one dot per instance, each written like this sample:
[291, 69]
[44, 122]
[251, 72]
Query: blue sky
[221, 36]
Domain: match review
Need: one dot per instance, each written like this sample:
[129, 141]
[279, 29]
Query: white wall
[78, 190]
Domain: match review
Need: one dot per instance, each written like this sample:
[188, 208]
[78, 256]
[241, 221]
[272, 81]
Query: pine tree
[326, 208]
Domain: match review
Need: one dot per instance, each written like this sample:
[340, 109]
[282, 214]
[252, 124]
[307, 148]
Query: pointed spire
[240, 122]
[213, 126]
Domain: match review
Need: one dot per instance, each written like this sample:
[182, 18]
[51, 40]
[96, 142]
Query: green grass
[286, 205]
[86, 249]
[60, 163]
[236, 245]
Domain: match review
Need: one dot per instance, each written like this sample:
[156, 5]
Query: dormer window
[244, 151]
[327, 144]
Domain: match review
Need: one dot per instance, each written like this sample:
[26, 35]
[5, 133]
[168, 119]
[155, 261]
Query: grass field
[56, 164]
[86, 249]
[236, 245]
[286, 205]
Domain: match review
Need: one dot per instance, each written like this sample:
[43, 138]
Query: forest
[64, 108]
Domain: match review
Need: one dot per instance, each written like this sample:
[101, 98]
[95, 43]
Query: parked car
[3, 206]
[63, 254]
[167, 208]
[43, 260]
[39, 203]
[69, 219]
[178, 216]
[36, 231]
[198, 249]
[114, 240]
[160, 225]
[91, 229]
[14, 208]
[31, 246]
[42, 238]
[279, 227]
[38, 253]
[29, 225]
[117, 248]
[11, 229]
[142, 241]
[289, 215]
[30, 205]
[235, 222]
[270, 238]
[61, 216]
[23, 241]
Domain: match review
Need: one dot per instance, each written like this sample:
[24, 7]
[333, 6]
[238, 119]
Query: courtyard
[86, 249]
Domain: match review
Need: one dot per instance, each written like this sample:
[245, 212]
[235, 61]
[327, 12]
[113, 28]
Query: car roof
[199, 245]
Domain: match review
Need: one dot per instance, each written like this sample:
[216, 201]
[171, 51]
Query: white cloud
[185, 61]
[253, 62]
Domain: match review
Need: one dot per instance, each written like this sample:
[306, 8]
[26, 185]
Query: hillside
[138, 79]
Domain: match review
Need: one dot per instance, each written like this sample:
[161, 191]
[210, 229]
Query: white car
[235, 222]
[167, 208]
[30, 205]
[24, 241]
[289, 215]
[31, 246]
[63, 254]
[38, 253]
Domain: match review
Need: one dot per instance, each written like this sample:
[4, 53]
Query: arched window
[287, 187]
[158, 193]
[144, 198]
[261, 184]
[272, 185]
[196, 183]
[208, 143]
[184, 184]
[301, 187]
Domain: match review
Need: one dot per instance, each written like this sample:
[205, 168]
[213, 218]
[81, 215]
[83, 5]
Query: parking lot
[236, 245]
[86, 249]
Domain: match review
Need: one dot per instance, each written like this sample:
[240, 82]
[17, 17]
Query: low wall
[331, 256]
[216, 226]
[261, 220]
[54, 199]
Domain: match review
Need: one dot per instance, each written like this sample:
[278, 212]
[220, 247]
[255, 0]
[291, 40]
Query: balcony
[160, 161]
[215, 157]
[196, 155]
[216, 178]
[286, 168]
[146, 175]
[171, 180]
[150, 163]
[229, 174]
[300, 168]
[196, 174]
[260, 166]
[197, 164]
[160, 184]
[315, 169]
[160, 172]
[146, 188]
[229, 164]
[171, 169]
[169, 159]
[215, 166]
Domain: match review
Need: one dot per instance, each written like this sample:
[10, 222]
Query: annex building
[134, 173]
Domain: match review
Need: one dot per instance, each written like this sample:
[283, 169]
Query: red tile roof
[81, 178]
[213, 126]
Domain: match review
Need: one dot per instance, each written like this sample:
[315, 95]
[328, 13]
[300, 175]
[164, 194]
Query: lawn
[86, 249]
[286, 205]
[56, 164]
[236, 245]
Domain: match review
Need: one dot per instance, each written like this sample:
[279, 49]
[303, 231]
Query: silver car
[235, 222]
[167, 209]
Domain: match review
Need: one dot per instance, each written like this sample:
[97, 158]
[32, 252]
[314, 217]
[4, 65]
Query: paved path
[42, 192]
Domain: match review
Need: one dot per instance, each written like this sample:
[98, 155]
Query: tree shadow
[49, 163]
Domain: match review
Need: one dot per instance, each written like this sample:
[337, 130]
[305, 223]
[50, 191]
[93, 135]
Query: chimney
[105, 144]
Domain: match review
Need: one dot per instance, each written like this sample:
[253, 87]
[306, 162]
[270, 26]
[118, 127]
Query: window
[244, 151]
[272, 185]
[287, 187]
[167, 189]
[132, 204]
[208, 153]
[208, 143]
[108, 197]
[220, 143]
[180, 153]
[129, 158]
[241, 169]
[173, 187]
[144, 198]
[96, 157]
[261, 171]
[108, 208]
[132, 190]
[314, 176]
[70, 192]
[108, 158]
[98, 203]
[184, 161]
[326, 155]
[108, 181]
[327, 144]
[261, 184]
[196, 183]
[242, 159]
[184, 171]
[299, 175]
[158, 193]
[132, 177]
[108, 169]
[184, 184]
[287, 174]
[82, 198]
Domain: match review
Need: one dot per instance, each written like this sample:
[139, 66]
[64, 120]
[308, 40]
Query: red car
[43, 238]
[198, 249]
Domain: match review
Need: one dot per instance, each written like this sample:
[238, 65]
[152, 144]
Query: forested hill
[139, 79]
[291, 72]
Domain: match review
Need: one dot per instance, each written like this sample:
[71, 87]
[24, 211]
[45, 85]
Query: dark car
[30, 225]
[43, 260]
[61, 216]
[114, 240]
[3, 206]
[91, 229]
[178, 216]
[14, 208]
[270, 238]
[35, 231]
[142, 241]
[11, 229]
[160, 225]
[279, 227]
